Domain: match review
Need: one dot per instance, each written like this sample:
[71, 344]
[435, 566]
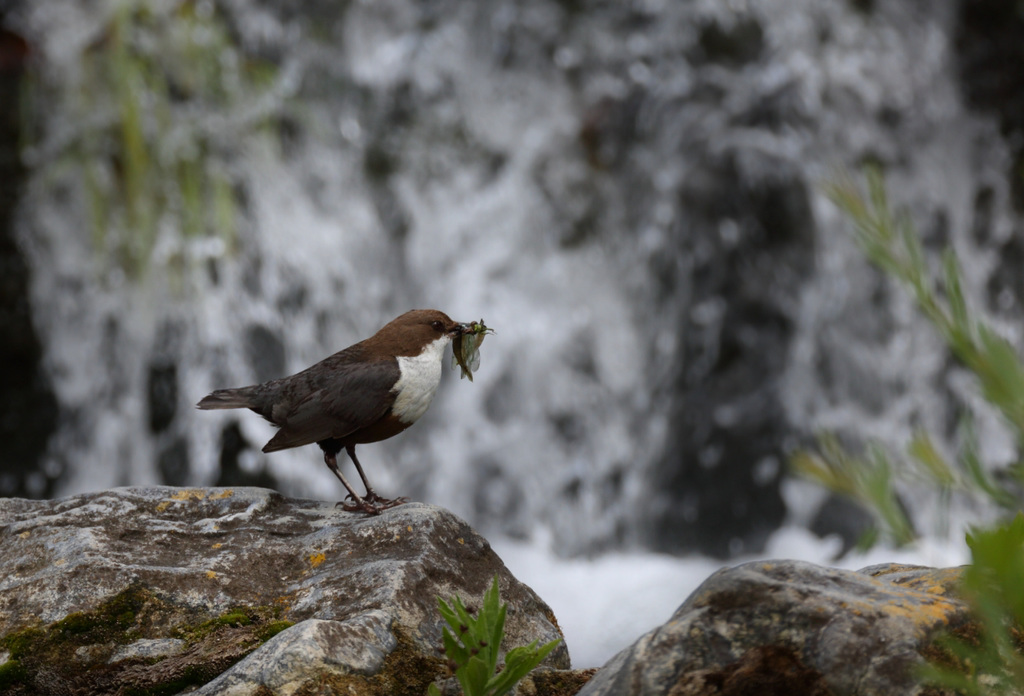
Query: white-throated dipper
[367, 392]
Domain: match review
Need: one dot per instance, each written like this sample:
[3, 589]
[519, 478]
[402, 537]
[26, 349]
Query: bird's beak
[461, 329]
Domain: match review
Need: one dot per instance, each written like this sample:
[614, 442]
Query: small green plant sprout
[471, 646]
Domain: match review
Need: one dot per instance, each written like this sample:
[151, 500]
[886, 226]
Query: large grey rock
[239, 589]
[789, 627]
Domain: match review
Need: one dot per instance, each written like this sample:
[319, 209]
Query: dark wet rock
[173, 462]
[266, 353]
[28, 405]
[162, 395]
[842, 517]
[789, 627]
[237, 591]
[233, 446]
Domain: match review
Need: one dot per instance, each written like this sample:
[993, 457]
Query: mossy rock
[78, 650]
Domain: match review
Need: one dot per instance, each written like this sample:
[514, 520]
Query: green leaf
[955, 294]
[463, 615]
[923, 450]
[473, 677]
[518, 663]
[447, 613]
[495, 613]
[453, 648]
[998, 565]
[975, 470]
[1002, 377]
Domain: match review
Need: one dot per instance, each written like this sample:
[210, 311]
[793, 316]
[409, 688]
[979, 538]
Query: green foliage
[472, 645]
[890, 241]
[157, 105]
[990, 659]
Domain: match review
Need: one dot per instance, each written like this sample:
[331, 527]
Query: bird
[366, 393]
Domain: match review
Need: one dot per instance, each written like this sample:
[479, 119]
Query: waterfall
[629, 194]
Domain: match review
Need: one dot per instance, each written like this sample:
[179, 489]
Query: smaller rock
[794, 628]
[356, 646]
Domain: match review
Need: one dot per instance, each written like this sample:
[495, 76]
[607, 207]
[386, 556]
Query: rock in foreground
[794, 628]
[237, 591]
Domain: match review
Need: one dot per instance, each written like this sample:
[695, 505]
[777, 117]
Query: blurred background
[200, 194]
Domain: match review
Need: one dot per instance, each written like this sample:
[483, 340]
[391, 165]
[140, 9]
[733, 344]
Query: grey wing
[342, 402]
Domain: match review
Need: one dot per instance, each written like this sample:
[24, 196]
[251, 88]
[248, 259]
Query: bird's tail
[242, 397]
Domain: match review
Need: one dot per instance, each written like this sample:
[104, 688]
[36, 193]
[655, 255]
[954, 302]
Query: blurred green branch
[890, 242]
[152, 125]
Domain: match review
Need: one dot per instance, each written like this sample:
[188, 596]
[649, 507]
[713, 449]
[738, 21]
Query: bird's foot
[358, 505]
[372, 504]
[385, 503]
[372, 497]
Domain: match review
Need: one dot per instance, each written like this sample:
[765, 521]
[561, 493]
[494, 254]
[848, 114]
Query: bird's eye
[437, 326]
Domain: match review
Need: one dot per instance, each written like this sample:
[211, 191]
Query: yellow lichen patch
[317, 558]
[924, 611]
[226, 493]
[183, 494]
[938, 581]
[925, 597]
[217, 545]
[60, 562]
[211, 574]
[893, 568]
[408, 528]
[461, 540]
[25, 535]
[926, 614]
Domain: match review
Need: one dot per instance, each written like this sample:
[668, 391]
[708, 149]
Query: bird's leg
[371, 495]
[358, 504]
